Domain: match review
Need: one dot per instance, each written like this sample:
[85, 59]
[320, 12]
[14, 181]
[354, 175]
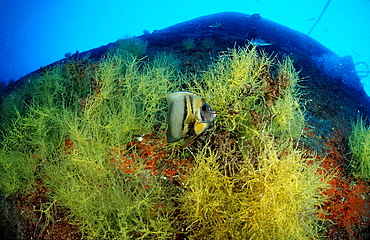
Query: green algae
[249, 180]
[359, 143]
[253, 182]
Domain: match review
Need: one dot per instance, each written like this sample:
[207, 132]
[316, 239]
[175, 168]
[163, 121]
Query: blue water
[37, 33]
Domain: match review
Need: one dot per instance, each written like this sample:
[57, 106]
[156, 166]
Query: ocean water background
[37, 33]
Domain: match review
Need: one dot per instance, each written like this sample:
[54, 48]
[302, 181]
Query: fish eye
[205, 108]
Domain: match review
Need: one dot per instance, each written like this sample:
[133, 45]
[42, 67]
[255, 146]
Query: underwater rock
[331, 94]
[339, 68]
[329, 79]
[239, 28]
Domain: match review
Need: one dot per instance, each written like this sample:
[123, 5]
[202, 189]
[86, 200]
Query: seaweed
[359, 143]
[252, 180]
[91, 136]
[130, 46]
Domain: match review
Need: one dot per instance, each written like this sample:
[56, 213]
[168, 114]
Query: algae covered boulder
[84, 139]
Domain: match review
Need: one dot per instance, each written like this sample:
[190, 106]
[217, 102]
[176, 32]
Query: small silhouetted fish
[310, 19]
[215, 25]
[259, 42]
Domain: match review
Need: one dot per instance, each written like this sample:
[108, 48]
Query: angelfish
[188, 114]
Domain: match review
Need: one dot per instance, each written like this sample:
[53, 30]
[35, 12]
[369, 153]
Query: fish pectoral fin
[200, 127]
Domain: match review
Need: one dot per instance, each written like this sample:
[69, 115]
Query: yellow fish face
[187, 114]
